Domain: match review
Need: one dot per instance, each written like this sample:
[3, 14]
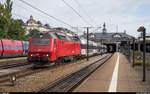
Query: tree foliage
[16, 31]
[9, 27]
[3, 22]
[32, 32]
[8, 7]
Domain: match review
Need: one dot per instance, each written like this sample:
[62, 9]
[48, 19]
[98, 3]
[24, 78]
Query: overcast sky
[126, 14]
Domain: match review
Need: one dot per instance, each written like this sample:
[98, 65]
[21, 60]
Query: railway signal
[12, 79]
[143, 30]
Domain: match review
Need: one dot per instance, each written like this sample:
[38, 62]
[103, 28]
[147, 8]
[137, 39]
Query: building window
[116, 36]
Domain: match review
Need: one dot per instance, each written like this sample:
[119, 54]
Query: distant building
[114, 40]
[33, 24]
[108, 37]
[140, 37]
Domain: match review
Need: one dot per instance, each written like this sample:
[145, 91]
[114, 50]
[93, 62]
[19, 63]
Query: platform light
[143, 30]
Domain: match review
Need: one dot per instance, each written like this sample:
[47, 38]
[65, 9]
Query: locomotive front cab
[40, 48]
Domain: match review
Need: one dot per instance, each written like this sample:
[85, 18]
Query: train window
[40, 41]
[14, 47]
[0, 47]
[62, 37]
[5, 47]
[20, 47]
[9, 47]
[17, 47]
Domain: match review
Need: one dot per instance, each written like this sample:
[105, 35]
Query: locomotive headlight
[34, 54]
[46, 55]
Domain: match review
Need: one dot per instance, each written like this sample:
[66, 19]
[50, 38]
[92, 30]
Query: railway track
[28, 71]
[12, 65]
[69, 82]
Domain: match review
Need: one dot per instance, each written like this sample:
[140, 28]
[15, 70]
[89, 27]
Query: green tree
[16, 31]
[8, 7]
[3, 22]
[5, 18]
[32, 32]
[10, 28]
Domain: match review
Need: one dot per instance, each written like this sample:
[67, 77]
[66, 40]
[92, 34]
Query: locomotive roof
[58, 35]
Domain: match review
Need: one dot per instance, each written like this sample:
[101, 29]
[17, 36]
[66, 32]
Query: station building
[115, 41]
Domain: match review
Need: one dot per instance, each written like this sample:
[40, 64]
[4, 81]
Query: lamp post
[87, 44]
[133, 51]
[143, 30]
[129, 50]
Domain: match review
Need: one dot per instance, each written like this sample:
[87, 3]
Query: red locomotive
[53, 46]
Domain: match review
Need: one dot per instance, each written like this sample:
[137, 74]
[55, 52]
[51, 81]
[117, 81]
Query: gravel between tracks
[13, 60]
[38, 80]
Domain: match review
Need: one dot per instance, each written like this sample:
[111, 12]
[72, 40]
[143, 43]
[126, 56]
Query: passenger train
[93, 48]
[13, 48]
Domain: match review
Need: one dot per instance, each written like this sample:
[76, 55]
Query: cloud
[124, 13]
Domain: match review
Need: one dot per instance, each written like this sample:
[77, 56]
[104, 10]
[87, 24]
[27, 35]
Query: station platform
[116, 75]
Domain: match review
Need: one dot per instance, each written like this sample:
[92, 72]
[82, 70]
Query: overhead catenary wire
[76, 12]
[30, 11]
[45, 13]
[20, 16]
[49, 15]
[85, 12]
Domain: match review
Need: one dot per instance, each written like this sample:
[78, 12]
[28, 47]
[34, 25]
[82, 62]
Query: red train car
[19, 48]
[1, 48]
[11, 48]
[52, 46]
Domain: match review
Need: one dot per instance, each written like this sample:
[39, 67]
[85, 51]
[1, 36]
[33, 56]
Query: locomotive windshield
[40, 41]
